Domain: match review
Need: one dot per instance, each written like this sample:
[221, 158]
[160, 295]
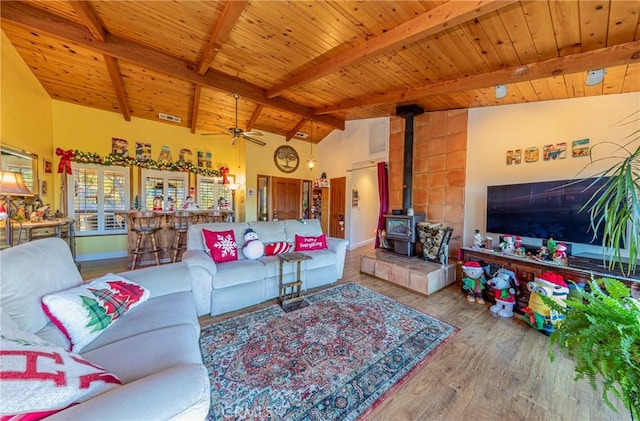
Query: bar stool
[179, 221]
[145, 224]
[213, 216]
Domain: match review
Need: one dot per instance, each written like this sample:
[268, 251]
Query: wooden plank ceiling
[318, 62]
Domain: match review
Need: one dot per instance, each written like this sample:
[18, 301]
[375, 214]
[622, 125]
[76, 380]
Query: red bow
[224, 171]
[65, 160]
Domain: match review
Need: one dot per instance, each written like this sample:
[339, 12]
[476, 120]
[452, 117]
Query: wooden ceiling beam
[116, 81]
[37, 20]
[291, 133]
[615, 55]
[220, 33]
[94, 25]
[254, 116]
[195, 108]
[89, 18]
[430, 23]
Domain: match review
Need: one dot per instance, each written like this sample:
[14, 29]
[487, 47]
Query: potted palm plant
[601, 327]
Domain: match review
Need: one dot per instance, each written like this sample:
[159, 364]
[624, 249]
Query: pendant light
[311, 163]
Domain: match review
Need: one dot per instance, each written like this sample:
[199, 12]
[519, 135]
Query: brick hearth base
[411, 273]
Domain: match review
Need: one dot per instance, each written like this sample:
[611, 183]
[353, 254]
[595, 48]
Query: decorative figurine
[551, 246]
[504, 282]
[382, 235]
[507, 246]
[190, 204]
[543, 253]
[157, 203]
[253, 248]
[560, 255]
[537, 314]
[478, 241]
[474, 281]
[171, 206]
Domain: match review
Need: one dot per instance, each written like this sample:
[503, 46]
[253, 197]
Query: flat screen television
[543, 210]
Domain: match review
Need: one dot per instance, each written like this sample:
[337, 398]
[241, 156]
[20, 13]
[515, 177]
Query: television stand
[526, 269]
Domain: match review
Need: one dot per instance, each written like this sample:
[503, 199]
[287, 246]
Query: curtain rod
[386, 164]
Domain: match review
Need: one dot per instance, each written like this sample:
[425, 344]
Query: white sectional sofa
[153, 348]
[245, 282]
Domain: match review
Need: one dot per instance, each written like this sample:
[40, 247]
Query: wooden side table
[291, 297]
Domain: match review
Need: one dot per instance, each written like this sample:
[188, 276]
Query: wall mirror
[18, 160]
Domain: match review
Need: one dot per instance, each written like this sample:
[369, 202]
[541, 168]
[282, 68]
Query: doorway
[286, 198]
[337, 207]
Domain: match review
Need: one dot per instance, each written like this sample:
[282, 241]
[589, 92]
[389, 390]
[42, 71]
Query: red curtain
[383, 193]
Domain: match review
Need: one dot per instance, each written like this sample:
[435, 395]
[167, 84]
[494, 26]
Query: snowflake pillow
[40, 379]
[221, 245]
[84, 312]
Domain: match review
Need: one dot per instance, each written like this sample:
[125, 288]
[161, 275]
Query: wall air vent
[301, 135]
[169, 117]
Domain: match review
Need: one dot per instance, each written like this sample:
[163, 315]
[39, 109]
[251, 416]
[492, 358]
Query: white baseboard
[370, 241]
[101, 256]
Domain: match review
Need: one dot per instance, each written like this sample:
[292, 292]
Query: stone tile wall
[439, 168]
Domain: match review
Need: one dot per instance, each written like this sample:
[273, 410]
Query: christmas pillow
[221, 245]
[311, 243]
[40, 379]
[279, 247]
[84, 312]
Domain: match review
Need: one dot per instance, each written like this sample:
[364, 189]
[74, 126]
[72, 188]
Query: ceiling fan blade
[214, 134]
[256, 141]
[253, 133]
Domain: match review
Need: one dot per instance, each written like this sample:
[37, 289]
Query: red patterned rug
[336, 359]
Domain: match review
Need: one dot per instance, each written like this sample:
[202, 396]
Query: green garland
[94, 158]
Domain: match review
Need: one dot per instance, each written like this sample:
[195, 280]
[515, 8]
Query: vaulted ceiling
[299, 63]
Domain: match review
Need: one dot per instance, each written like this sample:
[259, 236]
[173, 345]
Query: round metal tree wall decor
[286, 159]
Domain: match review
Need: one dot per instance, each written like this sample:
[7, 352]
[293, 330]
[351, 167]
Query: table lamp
[11, 184]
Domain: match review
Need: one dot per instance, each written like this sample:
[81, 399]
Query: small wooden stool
[145, 224]
[179, 221]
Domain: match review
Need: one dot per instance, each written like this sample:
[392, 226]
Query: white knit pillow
[84, 312]
[39, 378]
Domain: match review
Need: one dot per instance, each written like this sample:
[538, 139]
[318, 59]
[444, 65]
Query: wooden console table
[23, 232]
[527, 268]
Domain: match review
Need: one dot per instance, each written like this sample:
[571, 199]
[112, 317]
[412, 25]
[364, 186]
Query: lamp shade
[12, 184]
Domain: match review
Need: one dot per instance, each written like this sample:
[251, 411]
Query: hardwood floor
[492, 369]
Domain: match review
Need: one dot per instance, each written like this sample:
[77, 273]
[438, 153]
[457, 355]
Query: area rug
[336, 359]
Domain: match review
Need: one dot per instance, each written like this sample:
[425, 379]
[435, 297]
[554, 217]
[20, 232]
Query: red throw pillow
[276, 248]
[311, 243]
[221, 245]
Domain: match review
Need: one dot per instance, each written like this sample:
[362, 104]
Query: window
[95, 193]
[170, 185]
[211, 189]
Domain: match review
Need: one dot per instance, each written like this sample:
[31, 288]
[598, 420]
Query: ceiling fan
[237, 132]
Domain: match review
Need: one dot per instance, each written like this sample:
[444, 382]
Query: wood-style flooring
[492, 369]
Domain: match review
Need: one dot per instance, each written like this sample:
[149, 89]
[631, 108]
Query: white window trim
[164, 174]
[100, 204]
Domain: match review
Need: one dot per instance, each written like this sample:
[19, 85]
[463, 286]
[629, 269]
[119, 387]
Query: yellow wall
[25, 112]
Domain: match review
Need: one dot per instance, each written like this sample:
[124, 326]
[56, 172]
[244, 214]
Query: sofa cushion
[273, 249]
[320, 258]
[194, 234]
[158, 313]
[304, 227]
[238, 272]
[221, 245]
[39, 378]
[84, 312]
[150, 352]
[24, 280]
[269, 231]
[308, 243]
[272, 267]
